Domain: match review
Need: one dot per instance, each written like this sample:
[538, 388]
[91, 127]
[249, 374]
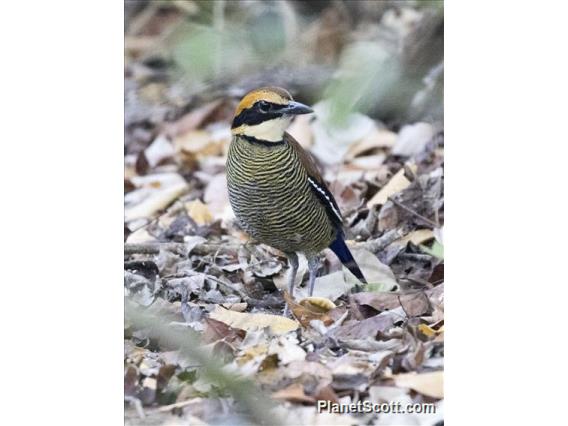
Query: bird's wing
[316, 181]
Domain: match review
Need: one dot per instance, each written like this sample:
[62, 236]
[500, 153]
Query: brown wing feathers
[316, 182]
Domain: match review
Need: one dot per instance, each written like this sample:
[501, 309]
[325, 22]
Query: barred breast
[272, 199]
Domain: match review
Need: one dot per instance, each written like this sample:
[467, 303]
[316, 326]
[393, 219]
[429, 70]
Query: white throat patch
[270, 130]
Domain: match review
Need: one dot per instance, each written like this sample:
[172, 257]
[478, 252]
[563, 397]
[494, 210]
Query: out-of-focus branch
[256, 405]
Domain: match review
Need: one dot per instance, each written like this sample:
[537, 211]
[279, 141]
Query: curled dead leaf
[315, 303]
[246, 321]
[294, 393]
[153, 193]
[252, 353]
[416, 237]
[307, 312]
[199, 143]
[377, 138]
[429, 384]
[414, 303]
[158, 151]
[193, 119]
[199, 212]
[397, 183]
[368, 327]
[237, 307]
[427, 331]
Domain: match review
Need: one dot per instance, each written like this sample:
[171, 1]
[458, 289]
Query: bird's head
[265, 113]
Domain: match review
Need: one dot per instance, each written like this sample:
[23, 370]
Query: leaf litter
[188, 263]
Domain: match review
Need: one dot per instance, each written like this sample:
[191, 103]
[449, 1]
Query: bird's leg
[293, 261]
[313, 265]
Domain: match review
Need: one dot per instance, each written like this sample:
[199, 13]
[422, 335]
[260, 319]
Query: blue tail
[342, 252]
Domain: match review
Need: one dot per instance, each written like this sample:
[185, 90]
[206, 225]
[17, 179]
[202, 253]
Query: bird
[275, 188]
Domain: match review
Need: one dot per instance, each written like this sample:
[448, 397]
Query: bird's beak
[296, 108]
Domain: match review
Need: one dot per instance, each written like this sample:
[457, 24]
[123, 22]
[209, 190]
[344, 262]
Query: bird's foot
[356, 289]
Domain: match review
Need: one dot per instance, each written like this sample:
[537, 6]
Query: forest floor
[206, 341]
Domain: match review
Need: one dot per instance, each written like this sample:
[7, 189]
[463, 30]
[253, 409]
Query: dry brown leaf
[246, 321]
[287, 349]
[440, 336]
[318, 303]
[217, 197]
[331, 142]
[326, 393]
[199, 212]
[252, 353]
[141, 235]
[154, 193]
[237, 307]
[349, 174]
[414, 304]
[397, 183]
[199, 143]
[307, 313]
[193, 119]
[217, 330]
[368, 162]
[427, 331]
[158, 151]
[368, 327]
[296, 369]
[416, 237]
[429, 384]
[378, 138]
[294, 393]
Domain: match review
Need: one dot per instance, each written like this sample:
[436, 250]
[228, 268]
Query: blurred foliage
[379, 58]
[256, 406]
[187, 63]
[365, 70]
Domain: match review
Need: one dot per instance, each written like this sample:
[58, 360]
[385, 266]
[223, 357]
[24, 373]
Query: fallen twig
[178, 248]
[151, 248]
[413, 212]
[378, 244]
[166, 408]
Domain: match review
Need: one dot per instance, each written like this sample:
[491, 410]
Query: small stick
[149, 248]
[154, 248]
[165, 408]
[383, 241]
[409, 210]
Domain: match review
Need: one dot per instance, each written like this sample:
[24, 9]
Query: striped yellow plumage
[275, 188]
[272, 198]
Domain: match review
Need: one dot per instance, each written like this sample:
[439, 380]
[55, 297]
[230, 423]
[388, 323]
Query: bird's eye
[263, 106]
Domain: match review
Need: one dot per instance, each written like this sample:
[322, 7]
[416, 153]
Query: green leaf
[437, 250]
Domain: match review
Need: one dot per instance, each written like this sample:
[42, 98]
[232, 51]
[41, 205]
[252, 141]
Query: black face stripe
[255, 114]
